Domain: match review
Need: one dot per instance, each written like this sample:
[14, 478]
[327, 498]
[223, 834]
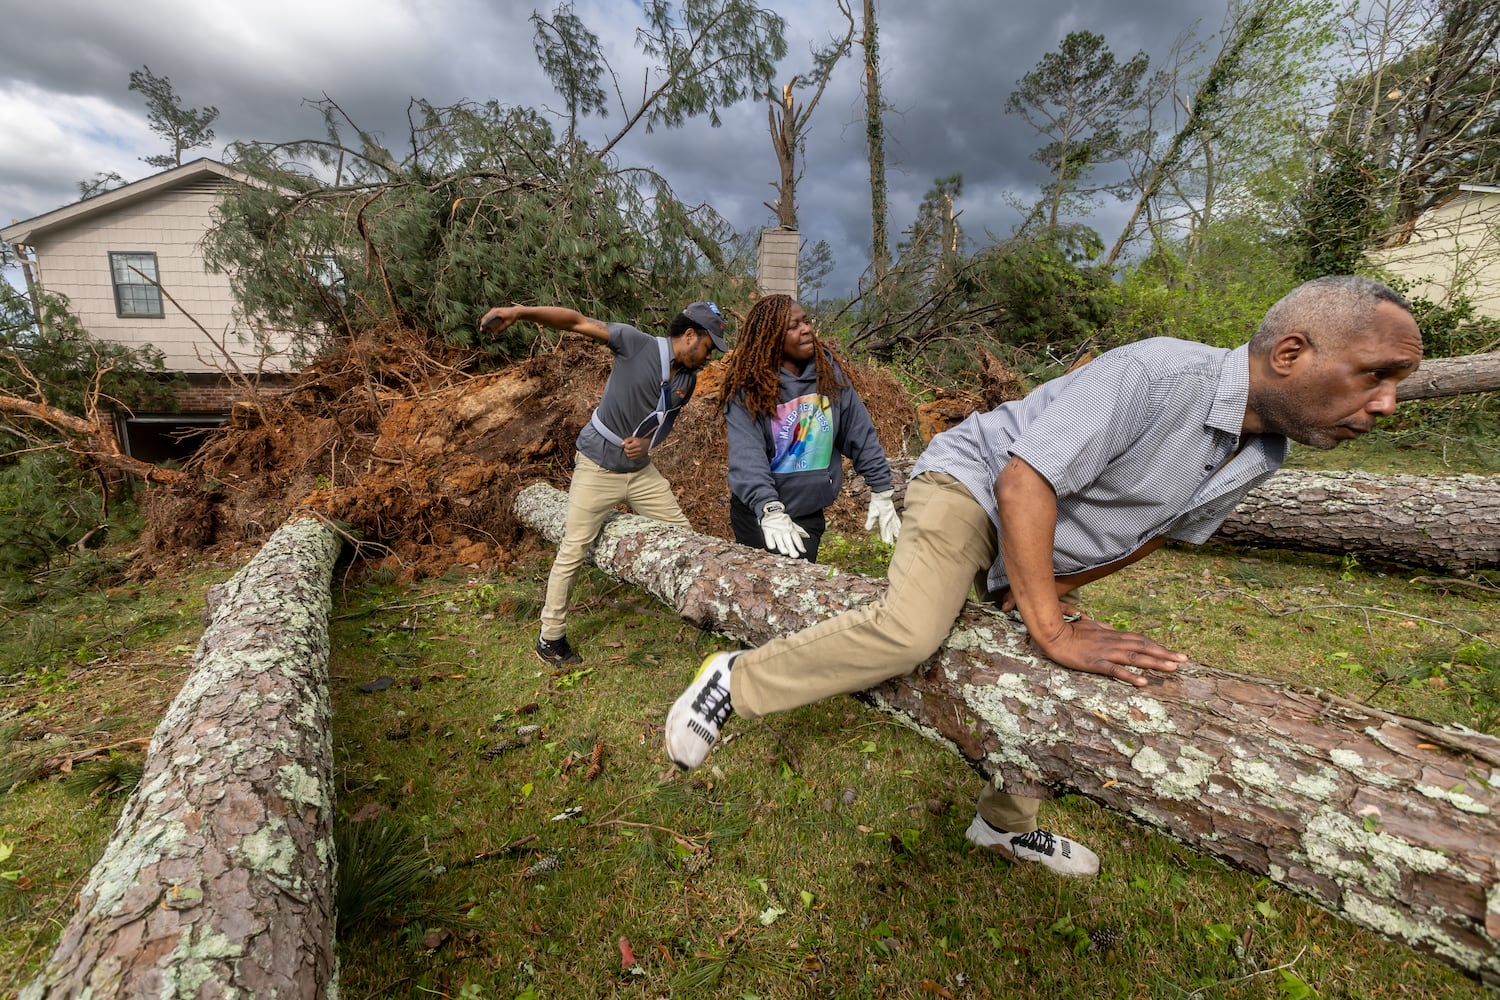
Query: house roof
[200, 169]
[1479, 188]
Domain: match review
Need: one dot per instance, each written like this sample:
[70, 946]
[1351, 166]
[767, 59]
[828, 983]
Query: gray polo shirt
[1131, 442]
[631, 393]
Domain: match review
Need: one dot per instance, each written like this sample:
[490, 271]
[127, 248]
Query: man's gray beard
[1279, 415]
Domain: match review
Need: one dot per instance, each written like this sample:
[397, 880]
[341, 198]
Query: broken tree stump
[218, 880]
[1388, 822]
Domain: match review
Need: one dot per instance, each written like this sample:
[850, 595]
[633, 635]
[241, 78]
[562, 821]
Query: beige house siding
[169, 218]
[1454, 247]
[167, 214]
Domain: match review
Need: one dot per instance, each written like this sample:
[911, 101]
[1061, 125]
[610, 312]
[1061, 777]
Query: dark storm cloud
[67, 112]
[947, 68]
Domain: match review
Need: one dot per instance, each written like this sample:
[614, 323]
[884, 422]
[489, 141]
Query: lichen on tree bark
[218, 880]
[1391, 823]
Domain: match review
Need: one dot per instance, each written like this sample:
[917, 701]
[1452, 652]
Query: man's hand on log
[1084, 644]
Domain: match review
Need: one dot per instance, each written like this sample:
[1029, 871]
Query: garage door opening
[166, 437]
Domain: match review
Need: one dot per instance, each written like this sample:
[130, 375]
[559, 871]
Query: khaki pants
[946, 538]
[592, 497]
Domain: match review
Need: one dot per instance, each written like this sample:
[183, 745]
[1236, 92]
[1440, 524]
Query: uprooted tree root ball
[420, 459]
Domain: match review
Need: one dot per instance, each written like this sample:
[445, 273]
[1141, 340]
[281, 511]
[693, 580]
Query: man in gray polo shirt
[651, 380]
[1089, 473]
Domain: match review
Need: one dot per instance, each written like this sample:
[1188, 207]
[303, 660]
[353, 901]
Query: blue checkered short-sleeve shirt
[1134, 443]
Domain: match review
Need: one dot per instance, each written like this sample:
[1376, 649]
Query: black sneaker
[557, 651]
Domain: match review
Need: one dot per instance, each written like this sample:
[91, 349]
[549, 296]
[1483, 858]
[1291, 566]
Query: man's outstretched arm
[499, 319]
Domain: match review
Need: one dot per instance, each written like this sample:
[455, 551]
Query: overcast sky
[947, 68]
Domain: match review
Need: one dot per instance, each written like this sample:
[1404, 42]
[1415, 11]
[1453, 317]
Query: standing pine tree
[184, 128]
[1088, 104]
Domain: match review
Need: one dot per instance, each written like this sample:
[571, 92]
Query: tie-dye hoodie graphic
[796, 455]
[802, 435]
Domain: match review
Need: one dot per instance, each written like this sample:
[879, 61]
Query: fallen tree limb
[1393, 826]
[1452, 377]
[1447, 523]
[218, 880]
[92, 439]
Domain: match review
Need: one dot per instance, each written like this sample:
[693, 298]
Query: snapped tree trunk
[880, 245]
[218, 880]
[1391, 823]
[1449, 523]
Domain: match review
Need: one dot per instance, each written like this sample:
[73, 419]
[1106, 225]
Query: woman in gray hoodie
[792, 417]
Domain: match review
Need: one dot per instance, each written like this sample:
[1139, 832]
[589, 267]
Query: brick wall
[217, 395]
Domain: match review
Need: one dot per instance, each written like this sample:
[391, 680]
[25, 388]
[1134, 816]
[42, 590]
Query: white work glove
[782, 533]
[883, 513]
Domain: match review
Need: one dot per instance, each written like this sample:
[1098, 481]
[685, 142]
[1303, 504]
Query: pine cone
[547, 863]
[498, 749]
[1105, 938]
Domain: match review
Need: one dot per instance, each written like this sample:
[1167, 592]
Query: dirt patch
[421, 460]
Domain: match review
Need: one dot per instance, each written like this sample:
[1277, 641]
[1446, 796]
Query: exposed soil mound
[421, 460]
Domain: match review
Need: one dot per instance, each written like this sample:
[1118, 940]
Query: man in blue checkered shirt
[1150, 442]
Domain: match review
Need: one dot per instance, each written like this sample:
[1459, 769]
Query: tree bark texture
[1452, 377]
[1449, 523]
[1391, 823]
[1446, 523]
[218, 881]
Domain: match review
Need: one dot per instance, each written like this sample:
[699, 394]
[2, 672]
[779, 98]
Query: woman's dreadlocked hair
[755, 364]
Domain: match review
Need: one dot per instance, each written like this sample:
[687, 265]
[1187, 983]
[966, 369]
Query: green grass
[819, 854]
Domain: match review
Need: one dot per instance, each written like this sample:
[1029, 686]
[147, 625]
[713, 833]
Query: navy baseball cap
[707, 316]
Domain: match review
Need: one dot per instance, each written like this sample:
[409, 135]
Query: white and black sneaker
[556, 651]
[1064, 856]
[695, 717]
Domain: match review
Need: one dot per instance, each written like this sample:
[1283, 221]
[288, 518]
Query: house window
[133, 274]
[325, 272]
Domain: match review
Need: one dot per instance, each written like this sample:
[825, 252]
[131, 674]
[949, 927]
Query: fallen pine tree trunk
[1391, 823]
[1447, 523]
[218, 880]
[1452, 377]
